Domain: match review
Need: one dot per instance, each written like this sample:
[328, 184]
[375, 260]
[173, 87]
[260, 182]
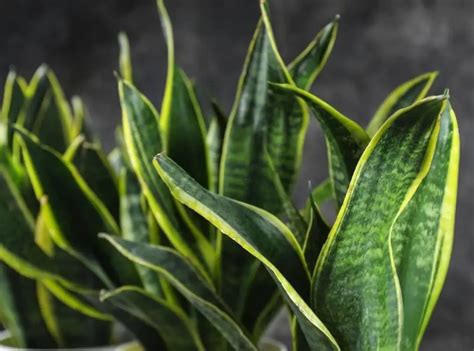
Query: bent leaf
[260, 234]
[190, 283]
[403, 96]
[345, 139]
[356, 291]
[422, 235]
[174, 326]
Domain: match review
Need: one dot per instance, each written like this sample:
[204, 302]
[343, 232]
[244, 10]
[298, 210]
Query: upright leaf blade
[307, 66]
[356, 289]
[403, 96]
[125, 61]
[423, 234]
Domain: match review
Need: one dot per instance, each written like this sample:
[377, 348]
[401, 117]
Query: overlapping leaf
[259, 233]
[422, 235]
[190, 283]
[356, 291]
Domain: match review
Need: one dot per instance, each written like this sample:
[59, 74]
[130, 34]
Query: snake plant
[186, 233]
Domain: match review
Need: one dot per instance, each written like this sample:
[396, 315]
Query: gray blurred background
[380, 44]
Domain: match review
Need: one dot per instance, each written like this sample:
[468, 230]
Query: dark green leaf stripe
[134, 224]
[309, 64]
[190, 283]
[403, 96]
[345, 139]
[75, 234]
[423, 234]
[260, 234]
[356, 291]
[143, 141]
[174, 326]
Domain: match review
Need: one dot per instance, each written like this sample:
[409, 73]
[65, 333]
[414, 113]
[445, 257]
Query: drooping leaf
[20, 313]
[134, 224]
[422, 235]
[92, 164]
[261, 235]
[345, 139]
[171, 322]
[403, 96]
[143, 141]
[75, 234]
[307, 66]
[195, 287]
[356, 291]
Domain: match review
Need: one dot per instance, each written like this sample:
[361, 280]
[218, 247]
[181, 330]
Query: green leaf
[345, 139]
[13, 100]
[134, 224]
[183, 129]
[174, 326]
[17, 241]
[260, 234]
[215, 139]
[125, 61]
[307, 66]
[20, 312]
[403, 96]
[143, 141]
[422, 236]
[92, 164]
[356, 291]
[195, 287]
[62, 322]
[63, 192]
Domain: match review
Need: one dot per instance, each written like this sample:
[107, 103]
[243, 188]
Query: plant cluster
[186, 234]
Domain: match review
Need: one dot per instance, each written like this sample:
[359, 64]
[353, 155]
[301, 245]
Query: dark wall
[381, 43]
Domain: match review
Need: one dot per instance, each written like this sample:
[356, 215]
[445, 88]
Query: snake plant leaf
[145, 334]
[356, 290]
[309, 64]
[20, 311]
[260, 234]
[143, 140]
[94, 167]
[403, 96]
[80, 124]
[46, 111]
[316, 234]
[195, 287]
[125, 61]
[214, 139]
[175, 328]
[17, 242]
[13, 100]
[134, 224]
[62, 322]
[345, 139]
[183, 129]
[422, 235]
[77, 234]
